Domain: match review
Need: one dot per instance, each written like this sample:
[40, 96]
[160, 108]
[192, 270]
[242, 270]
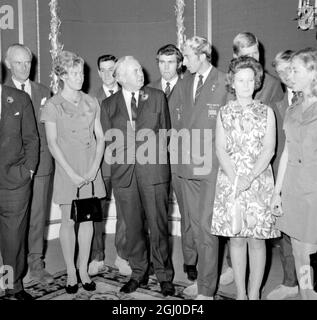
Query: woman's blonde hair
[66, 60]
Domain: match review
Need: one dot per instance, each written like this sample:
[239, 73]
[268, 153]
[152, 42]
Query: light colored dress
[299, 190]
[76, 139]
[245, 129]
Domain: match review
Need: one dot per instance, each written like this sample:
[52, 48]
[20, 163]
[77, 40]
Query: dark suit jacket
[39, 93]
[100, 95]
[19, 140]
[152, 115]
[271, 90]
[202, 115]
[279, 109]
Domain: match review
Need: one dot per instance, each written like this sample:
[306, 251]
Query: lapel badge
[10, 100]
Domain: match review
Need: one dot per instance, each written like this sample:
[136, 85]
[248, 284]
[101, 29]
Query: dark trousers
[137, 203]
[199, 195]
[98, 241]
[40, 207]
[188, 243]
[14, 208]
[288, 263]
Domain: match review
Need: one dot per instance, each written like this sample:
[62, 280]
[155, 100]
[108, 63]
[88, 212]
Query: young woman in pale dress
[75, 139]
[295, 191]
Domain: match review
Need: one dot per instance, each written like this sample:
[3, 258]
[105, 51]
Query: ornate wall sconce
[307, 14]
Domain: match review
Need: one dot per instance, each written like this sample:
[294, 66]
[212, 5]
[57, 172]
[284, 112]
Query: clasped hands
[80, 181]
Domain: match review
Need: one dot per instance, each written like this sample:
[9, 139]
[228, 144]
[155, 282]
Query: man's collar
[172, 82]
[18, 83]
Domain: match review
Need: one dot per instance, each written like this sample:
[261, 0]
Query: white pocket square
[43, 101]
[17, 113]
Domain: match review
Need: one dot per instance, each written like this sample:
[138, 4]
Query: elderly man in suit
[19, 150]
[140, 172]
[170, 62]
[109, 87]
[247, 44]
[18, 61]
[289, 286]
[199, 97]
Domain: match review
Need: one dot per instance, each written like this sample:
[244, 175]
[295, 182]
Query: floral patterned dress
[245, 129]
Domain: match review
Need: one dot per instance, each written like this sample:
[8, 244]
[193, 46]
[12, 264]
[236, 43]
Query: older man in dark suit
[200, 95]
[140, 172]
[18, 61]
[19, 153]
[170, 62]
[109, 87]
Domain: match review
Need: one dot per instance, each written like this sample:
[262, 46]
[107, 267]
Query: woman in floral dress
[245, 141]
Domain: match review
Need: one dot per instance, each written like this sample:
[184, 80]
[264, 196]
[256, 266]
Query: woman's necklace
[73, 100]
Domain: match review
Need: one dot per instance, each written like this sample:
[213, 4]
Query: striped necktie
[200, 85]
[167, 89]
[134, 111]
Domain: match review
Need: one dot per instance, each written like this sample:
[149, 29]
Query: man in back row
[170, 62]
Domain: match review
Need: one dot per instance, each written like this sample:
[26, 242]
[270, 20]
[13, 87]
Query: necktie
[23, 86]
[295, 97]
[111, 92]
[167, 89]
[200, 85]
[133, 107]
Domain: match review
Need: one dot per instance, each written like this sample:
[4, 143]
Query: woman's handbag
[235, 210]
[88, 209]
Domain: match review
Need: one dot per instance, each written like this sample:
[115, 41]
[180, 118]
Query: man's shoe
[191, 290]
[130, 286]
[41, 275]
[21, 295]
[167, 288]
[191, 272]
[282, 292]
[123, 266]
[95, 267]
[202, 297]
[227, 277]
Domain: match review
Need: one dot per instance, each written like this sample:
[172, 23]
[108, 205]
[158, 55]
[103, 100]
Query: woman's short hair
[309, 58]
[244, 62]
[200, 46]
[66, 60]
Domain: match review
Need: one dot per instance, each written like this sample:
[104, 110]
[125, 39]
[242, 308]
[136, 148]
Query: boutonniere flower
[10, 100]
[43, 101]
[144, 96]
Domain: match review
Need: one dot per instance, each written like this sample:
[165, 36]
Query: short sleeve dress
[245, 129]
[76, 139]
[299, 189]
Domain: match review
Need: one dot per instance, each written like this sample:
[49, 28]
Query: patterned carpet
[108, 284]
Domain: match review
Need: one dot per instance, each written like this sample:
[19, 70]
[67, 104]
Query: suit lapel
[4, 105]
[36, 98]
[123, 106]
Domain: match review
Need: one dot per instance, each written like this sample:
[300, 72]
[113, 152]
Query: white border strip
[20, 14]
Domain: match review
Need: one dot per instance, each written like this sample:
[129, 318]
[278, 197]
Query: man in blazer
[109, 87]
[140, 171]
[18, 61]
[170, 62]
[289, 286]
[19, 150]
[200, 95]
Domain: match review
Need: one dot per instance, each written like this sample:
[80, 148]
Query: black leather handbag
[88, 209]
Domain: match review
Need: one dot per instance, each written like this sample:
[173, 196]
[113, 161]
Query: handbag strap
[92, 190]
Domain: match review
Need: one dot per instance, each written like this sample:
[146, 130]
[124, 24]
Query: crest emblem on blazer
[212, 109]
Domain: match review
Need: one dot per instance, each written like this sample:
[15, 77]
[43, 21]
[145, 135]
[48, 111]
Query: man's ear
[202, 57]
[7, 63]
[235, 56]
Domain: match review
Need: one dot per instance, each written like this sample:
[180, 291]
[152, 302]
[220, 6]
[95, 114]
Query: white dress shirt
[107, 90]
[290, 95]
[127, 97]
[27, 87]
[205, 75]
[172, 83]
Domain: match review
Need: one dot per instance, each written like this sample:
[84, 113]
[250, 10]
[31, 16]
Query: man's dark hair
[106, 57]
